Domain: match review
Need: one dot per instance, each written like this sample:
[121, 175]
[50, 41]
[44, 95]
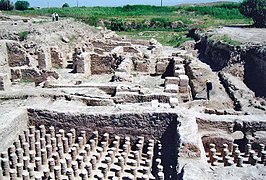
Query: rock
[122, 76]
[184, 80]
[171, 80]
[173, 102]
[171, 88]
[65, 39]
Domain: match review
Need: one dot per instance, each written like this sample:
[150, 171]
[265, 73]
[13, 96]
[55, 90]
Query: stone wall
[56, 57]
[44, 58]
[101, 64]
[17, 55]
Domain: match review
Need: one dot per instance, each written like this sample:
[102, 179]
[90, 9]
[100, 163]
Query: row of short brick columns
[42, 153]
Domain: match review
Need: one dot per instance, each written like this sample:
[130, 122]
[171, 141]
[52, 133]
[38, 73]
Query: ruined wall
[16, 54]
[101, 64]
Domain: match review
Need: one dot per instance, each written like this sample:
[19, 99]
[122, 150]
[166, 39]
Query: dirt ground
[243, 34]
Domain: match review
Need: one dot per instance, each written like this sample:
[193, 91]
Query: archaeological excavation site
[83, 103]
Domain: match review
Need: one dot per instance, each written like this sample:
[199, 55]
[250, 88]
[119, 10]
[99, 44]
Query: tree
[22, 5]
[65, 5]
[255, 9]
[6, 5]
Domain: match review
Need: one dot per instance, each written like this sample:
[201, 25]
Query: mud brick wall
[106, 47]
[16, 54]
[101, 64]
[150, 125]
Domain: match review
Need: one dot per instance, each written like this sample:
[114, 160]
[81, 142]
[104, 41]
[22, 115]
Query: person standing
[56, 17]
[53, 17]
[209, 88]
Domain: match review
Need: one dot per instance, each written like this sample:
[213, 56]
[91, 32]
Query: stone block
[171, 80]
[125, 88]
[179, 72]
[101, 64]
[44, 59]
[130, 49]
[173, 102]
[56, 57]
[184, 89]
[142, 65]
[122, 76]
[179, 60]
[161, 67]
[184, 80]
[179, 66]
[5, 82]
[15, 74]
[125, 66]
[82, 63]
[171, 88]
[118, 50]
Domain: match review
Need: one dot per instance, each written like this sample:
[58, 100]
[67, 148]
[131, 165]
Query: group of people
[55, 17]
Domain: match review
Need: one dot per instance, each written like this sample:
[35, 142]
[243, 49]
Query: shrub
[22, 5]
[23, 35]
[65, 5]
[117, 25]
[6, 5]
[92, 20]
[255, 9]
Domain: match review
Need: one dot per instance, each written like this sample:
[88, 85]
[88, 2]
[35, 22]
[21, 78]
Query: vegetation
[168, 24]
[22, 5]
[255, 9]
[23, 35]
[6, 5]
[225, 39]
[65, 5]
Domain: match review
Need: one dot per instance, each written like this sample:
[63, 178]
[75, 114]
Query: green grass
[225, 39]
[23, 35]
[168, 24]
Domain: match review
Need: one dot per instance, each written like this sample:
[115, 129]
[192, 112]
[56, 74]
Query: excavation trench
[219, 56]
[158, 127]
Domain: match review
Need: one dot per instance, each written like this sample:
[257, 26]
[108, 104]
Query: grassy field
[168, 24]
